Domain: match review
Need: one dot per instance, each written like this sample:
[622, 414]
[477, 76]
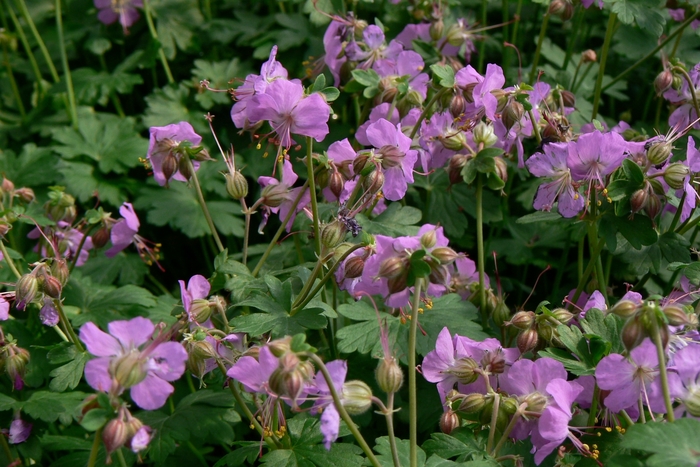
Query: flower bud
[200, 310]
[114, 435]
[101, 237]
[357, 397]
[236, 185]
[274, 195]
[444, 254]
[202, 155]
[589, 56]
[354, 267]
[332, 234]
[26, 289]
[59, 270]
[468, 92]
[288, 383]
[397, 284]
[675, 315]
[436, 29]
[633, 333]
[677, 82]
[449, 421]
[169, 166]
[52, 287]
[280, 347]
[128, 370]
[16, 364]
[659, 152]
[501, 168]
[183, 166]
[692, 403]
[500, 313]
[561, 8]
[336, 183]
[374, 182]
[4, 227]
[428, 239]
[25, 194]
[502, 99]
[527, 340]
[360, 162]
[464, 370]
[512, 114]
[454, 169]
[675, 175]
[392, 267]
[639, 200]
[483, 133]
[509, 405]
[568, 98]
[7, 186]
[562, 315]
[471, 403]
[522, 320]
[389, 375]
[535, 401]
[663, 82]
[653, 207]
[455, 142]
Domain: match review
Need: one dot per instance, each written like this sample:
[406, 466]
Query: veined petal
[151, 393]
[132, 333]
[98, 342]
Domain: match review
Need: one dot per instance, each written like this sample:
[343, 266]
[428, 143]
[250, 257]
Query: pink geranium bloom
[128, 358]
[167, 142]
[197, 288]
[122, 10]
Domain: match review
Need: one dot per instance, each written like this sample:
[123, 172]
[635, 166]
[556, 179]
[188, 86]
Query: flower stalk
[412, 394]
[540, 40]
[603, 59]
[663, 375]
[203, 204]
[312, 189]
[154, 35]
[480, 247]
[73, 111]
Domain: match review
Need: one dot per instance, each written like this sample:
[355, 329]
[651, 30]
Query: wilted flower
[124, 361]
[48, 314]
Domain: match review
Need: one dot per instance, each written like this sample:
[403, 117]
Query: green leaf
[83, 183]
[110, 141]
[52, 406]
[633, 172]
[445, 73]
[170, 105]
[644, 12]
[69, 375]
[395, 221]
[571, 364]
[219, 74]
[245, 452]
[403, 447]
[179, 208]
[94, 87]
[95, 419]
[368, 78]
[604, 326]
[65, 443]
[33, 166]
[122, 269]
[460, 444]
[363, 337]
[638, 231]
[673, 444]
[177, 22]
[538, 216]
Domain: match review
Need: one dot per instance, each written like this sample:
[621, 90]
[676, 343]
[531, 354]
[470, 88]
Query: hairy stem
[37, 37]
[154, 35]
[390, 429]
[494, 421]
[540, 40]
[691, 88]
[412, 394]
[92, 460]
[661, 354]
[480, 248]
[603, 59]
[66, 323]
[203, 204]
[312, 189]
[66, 69]
[341, 410]
[8, 259]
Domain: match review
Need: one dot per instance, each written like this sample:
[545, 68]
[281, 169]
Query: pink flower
[126, 362]
[165, 149]
[197, 288]
[125, 232]
[122, 10]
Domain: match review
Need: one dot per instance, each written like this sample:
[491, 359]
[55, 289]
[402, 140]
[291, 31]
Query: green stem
[505, 56]
[154, 35]
[504, 437]
[120, 458]
[76, 255]
[66, 323]
[518, 10]
[312, 189]
[594, 406]
[573, 79]
[73, 110]
[273, 443]
[281, 228]
[482, 45]
[588, 271]
[8, 259]
[535, 127]
[412, 394]
[691, 87]
[203, 204]
[92, 460]
[196, 453]
[427, 108]
[661, 355]
[603, 59]
[390, 429]
[329, 274]
[540, 40]
[688, 224]
[246, 233]
[494, 421]
[341, 410]
[13, 83]
[42, 46]
[592, 236]
[480, 248]
[307, 286]
[670, 37]
[572, 40]
[583, 77]
[677, 216]
[27, 48]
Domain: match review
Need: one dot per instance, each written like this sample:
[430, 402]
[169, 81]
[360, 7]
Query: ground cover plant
[328, 233]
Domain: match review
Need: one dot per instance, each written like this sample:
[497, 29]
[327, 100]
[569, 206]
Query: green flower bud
[444, 254]
[389, 375]
[692, 402]
[527, 340]
[52, 287]
[471, 403]
[675, 315]
[675, 175]
[522, 320]
[436, 29]
[449, 421]
[333, 234]
[659, 152]
[535, 401]
[236, 185]
[483, 133]
[455, 142]
[392, 267]
[428, 239]
[26, 289]
[464, 369]
[274, 195]
[59, 270]
[357, 397]
[200, 310]
[128, 370]
[114, 435]
[374, 182]
[512, 114]
[562, 315]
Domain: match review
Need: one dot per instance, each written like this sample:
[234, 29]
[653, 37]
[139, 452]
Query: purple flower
[48, 314]
[125, 232]
[628, 380]
[484, 100]
[165, 147]
[333, 44]
[290, 195]
[255, 84]
[380, 111]
[330, 419]
[254, 374]
[124, 361]
[587, 3]
[596, 155]
[141, 439]
[197, 288]
[397, 158]
[4, 309]
[19, 431]
[465, 275]
[684, 380]
[122, 10]
[552, 163]
[63, 233]
[685, 113]
[288, 111]
[340, 157]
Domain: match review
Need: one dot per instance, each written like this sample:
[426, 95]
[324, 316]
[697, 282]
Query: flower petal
[151, 393]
